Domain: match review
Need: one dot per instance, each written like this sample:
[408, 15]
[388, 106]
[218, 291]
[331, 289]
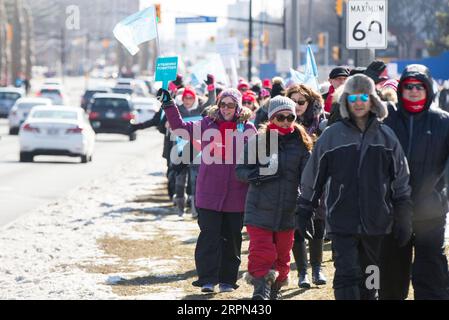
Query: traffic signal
[336, 53]
[339, 7]
[158, 12]
[321, 40]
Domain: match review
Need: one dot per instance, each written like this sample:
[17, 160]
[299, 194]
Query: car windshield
[9, 96]
[50, 91]
[109, 103]
[89, 94]
[29, 105]
[55, 114]
[122, 90]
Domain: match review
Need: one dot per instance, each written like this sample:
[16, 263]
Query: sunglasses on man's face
[353, 97]
[282, 118]
[247, 102]
[230, 105]
[417, 86]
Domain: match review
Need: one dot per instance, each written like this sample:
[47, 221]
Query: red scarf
[414, 106]
[328, 103]
[225, 127]
[282, 131]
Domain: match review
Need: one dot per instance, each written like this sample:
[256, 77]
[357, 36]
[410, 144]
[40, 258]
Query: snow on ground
[41, 252]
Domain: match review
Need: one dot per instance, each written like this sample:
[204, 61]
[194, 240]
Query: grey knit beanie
[280, 103]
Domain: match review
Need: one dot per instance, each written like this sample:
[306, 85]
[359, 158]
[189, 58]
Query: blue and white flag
[310, 75]
[136, 29]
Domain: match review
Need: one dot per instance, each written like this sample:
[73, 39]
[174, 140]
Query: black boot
[316, 258]
[347, 293]
[262, 286]
[300, 254]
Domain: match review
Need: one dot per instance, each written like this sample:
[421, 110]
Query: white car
[53, 92]
[146, 108]
[56, 130]
[19, 112]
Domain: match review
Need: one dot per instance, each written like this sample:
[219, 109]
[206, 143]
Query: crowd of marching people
[362, 165]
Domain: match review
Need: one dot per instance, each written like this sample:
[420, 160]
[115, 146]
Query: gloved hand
[257, 179]
[135, 126]
[164, 97]
[402, 231]
[210, 79]
[402, 226]
[210, 82]
[304, 222]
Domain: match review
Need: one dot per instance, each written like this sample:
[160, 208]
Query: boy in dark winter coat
[271, 200]
[362, 165]
[423, 132]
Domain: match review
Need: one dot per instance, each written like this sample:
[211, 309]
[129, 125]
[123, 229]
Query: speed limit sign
[366, 24]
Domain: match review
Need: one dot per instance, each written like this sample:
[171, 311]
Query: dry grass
[178, 273]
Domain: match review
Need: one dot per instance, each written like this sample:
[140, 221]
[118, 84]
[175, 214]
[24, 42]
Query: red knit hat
[243, 85]
[188, 91]
[266, 83]
[249, 96]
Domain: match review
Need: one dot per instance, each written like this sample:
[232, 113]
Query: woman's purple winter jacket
[217, 187]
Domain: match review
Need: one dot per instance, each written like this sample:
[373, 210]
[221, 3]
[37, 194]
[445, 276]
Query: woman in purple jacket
[220, 197]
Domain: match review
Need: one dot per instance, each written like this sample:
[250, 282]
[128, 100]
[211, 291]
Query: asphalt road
[25, 186]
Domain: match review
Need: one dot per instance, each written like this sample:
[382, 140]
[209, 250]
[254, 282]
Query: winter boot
[316, 258]
[180, 205]
[194, 211]
[275, 293]
[262, 285]
[347, 293]
[300, 255]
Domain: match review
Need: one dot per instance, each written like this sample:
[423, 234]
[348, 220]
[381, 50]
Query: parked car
[89, 93]
[9, 96]
[56, 130]
[146, 108]
[19, 112]
[123, 89]
[53, 92]
[112, 113]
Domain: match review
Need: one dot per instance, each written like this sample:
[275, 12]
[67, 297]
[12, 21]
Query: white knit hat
[280, 103]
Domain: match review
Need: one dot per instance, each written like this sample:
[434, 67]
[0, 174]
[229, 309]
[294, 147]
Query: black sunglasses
[282, 118]
[300, 102]
[410, 86]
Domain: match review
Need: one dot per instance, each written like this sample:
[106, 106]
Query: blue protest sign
[166, 70]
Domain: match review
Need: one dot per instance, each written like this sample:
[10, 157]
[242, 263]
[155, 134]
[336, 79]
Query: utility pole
[62, 52]
[250, 44]
[295, 34]
[284, 27]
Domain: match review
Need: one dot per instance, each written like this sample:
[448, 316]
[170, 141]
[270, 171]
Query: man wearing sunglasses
[360, 163]
[424, 135]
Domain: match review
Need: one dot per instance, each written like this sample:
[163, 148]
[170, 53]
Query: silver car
[9, 96]
[21, 109]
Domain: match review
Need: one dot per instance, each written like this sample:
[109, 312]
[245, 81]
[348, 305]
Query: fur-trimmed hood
[360, 83]
[244, 116]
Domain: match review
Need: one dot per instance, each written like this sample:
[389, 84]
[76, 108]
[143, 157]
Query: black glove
[257, 179]
[304, 221]
[135, 126]
[210, 79]
[402, 226]
[179, 81]
[164, 97]
[402, 231]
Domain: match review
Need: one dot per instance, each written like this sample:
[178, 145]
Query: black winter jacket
[366, 175]
[425, 140]
[271, 203]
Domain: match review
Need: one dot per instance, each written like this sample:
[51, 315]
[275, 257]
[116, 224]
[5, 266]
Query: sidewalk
[114, 238]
